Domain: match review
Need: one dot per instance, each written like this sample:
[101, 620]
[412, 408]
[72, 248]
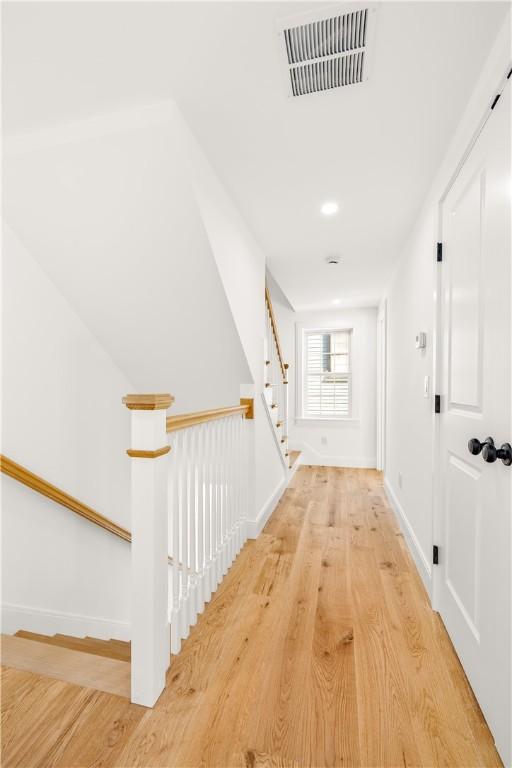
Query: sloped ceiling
[112, 220]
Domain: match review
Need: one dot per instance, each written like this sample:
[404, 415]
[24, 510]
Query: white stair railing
[189, 522]
[207, 512]
[276, 379]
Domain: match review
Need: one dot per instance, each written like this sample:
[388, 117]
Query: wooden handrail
[36, 483]
[284, 366]
[184, 420]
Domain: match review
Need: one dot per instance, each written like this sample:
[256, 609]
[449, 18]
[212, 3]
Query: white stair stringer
[275, 433]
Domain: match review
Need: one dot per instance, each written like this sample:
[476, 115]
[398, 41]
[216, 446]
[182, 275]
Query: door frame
[382, 340]
[437, 341]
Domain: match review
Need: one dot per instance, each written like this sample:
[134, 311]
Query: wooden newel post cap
[286, 365]
[148, 402]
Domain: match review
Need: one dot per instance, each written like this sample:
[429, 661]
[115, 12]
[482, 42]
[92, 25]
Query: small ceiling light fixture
[329, 208]
[336, 301]
[333, 260]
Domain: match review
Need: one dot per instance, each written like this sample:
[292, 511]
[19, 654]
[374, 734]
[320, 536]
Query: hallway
[319, 649]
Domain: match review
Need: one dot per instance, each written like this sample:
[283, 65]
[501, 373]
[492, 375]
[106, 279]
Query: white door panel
[474, 568]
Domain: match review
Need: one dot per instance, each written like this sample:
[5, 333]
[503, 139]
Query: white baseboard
[255, 527]
[422, 563]
[311, 457]
[43, 622]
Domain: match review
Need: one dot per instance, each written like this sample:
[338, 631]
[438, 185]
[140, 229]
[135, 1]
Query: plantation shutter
[327, 374]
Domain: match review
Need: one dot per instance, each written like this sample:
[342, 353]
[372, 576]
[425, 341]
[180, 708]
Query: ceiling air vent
[327, 51]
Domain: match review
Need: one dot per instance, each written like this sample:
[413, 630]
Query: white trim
[255, 527]
[310, 456]
[45, 622]
[381, 384]
[301, 329]
[311, 421]
[422, 563]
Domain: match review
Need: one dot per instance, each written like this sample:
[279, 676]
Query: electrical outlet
[400, 480]
[323, 440]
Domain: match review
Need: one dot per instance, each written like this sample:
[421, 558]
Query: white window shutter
[327, 374]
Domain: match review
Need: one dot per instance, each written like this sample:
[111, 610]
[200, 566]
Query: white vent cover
[328, 50]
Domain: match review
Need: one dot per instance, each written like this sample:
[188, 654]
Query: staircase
[100, 664]
[188, 513]
[275, 394]
[189, 486]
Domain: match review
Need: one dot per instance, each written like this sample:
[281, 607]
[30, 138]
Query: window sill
[311, 421]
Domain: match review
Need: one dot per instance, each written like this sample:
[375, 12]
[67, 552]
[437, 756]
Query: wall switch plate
[426, 386]
[323, 441]
[421, 340]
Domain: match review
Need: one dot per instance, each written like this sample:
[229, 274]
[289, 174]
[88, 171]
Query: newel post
[150, 651]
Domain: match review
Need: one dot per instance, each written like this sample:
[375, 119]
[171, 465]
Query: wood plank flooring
[319, 649]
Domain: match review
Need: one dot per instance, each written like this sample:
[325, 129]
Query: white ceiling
[373, 148]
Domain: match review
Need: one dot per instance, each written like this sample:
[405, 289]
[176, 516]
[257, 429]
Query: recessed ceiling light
[329, 208]
[336, 301]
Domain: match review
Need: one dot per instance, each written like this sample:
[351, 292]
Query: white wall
[107, 208]
[350, 443]
[62, 418]
[410, 308]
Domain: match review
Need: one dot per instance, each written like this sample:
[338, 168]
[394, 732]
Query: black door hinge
[435, 554]
[496, 98]
[437, 403]
[439, 251]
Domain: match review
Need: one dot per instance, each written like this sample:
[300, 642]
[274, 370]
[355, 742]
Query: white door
[474, 586]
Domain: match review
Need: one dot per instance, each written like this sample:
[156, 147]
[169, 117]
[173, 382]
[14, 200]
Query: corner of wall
[421, 561]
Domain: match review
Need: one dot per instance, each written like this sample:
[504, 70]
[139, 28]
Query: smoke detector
[326, 50]
[333, 260]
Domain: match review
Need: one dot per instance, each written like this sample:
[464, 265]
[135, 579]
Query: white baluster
[201, 431]
[230, 483]
[192, 519]
[223, 426]
[222, 481]
[245, 478]
[218, 503]
[184, 524]
[233, 422]
[208, 513]
[240, 537]
[174, 539]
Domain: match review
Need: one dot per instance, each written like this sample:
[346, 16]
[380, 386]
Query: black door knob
[475, 446]
[490, 454]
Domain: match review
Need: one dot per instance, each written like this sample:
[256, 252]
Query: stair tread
[294, 455]
[110, 649]
[72, 666]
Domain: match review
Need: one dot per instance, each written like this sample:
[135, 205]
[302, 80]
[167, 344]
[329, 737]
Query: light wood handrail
[36, 483]
[284, 366]
[185, 420]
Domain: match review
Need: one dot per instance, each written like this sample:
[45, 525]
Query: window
[327, 374]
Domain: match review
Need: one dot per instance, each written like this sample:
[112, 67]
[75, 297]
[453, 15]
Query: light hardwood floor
[319, 649]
